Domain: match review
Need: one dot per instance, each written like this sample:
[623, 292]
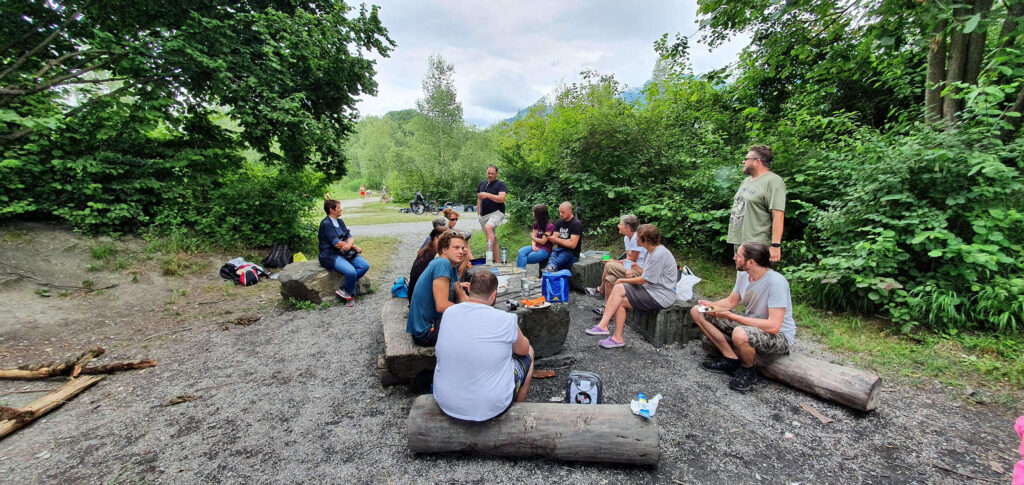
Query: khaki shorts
[614, 271]
[494, 219]
[761, 341]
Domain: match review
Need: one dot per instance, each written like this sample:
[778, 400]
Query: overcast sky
[508, 54]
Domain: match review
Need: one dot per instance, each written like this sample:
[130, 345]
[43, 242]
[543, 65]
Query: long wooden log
[605, 433]
[47, 403]
[845, 385]
[62, 369]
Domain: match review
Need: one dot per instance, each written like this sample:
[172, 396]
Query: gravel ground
[295, 398]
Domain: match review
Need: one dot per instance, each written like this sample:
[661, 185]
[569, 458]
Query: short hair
[329, 205]
[565, 204]
[630, 221]
[448, 212]
[446, 240]
[757, 252]
[649, 234]
[441, 221]
[482, 284]
[495, 167]
[764, 152]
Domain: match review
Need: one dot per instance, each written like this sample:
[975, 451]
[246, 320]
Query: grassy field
[980, 368]
[377, 213]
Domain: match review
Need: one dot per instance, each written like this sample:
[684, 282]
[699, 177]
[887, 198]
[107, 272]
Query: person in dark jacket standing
[338, 251]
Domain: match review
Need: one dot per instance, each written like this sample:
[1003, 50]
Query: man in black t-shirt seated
[490, 206]
[566, 239]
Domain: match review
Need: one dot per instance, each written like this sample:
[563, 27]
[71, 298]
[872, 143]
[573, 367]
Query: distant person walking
[490, 206]
[384, 194]
[760, 204]
[362, 192]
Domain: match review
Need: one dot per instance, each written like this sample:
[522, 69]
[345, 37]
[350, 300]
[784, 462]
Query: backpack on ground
[582, 387]
[246, 274]
[279, 257]
[401, 288]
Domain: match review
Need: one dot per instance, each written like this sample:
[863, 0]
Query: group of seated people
[483, 345]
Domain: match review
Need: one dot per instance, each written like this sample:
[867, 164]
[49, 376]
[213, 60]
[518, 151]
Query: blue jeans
[561, 258]
[528, 256]
[351, 270]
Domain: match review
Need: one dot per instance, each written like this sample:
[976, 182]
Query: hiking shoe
[350, 303]
[610, 343]
[722, 364]
[596, 331]
[599, 310]
[743, 380]
[343, 294]
[594, 292]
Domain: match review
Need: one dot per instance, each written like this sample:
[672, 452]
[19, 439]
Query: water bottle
[490, 254]
[524, 283]
[504, 255]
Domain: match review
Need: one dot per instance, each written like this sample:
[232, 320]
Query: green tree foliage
[892, 210]
[428, 149]
[108, 109]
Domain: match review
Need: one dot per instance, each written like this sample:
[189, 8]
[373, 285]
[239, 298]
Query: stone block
[546, 328]
[309, 281]
[586, 273]
[673, 324]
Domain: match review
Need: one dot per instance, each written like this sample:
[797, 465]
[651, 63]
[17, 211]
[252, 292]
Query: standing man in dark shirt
[566, 239]
[490, 206]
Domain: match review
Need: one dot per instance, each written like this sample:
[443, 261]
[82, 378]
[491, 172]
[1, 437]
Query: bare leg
[743, 348]
[615, 299]
[526, 384]
[713, 334]
[620, 316]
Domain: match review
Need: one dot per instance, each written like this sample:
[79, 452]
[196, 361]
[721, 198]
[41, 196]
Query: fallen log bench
[605, 433]
[308, 281]
[667, 326]
[403, 360]
[851, 387]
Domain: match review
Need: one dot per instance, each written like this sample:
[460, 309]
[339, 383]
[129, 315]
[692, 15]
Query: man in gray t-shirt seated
[484, 362]
[766, 326]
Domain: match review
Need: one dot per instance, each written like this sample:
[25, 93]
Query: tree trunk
[936, 73]
[955, 65]
[1014, 9]
[976, 44]
[845, 385]
[604, 433]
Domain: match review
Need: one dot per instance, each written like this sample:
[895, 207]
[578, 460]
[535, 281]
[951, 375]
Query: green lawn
[378, 213]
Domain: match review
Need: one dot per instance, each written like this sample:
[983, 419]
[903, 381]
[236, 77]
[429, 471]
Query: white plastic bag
[684, 288]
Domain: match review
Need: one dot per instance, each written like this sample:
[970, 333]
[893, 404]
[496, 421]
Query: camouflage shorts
[761, 341]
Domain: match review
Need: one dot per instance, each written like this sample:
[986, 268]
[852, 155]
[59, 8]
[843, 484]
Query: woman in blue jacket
[339, 252]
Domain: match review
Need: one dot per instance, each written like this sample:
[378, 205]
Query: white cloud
[508, 54]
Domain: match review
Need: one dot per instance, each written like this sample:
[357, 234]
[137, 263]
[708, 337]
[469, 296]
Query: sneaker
[350, 303]
[721, 364]
[610, 343]
[343, 294]
[599, 310]
[743, 380]
[596, 331]
[594, 292]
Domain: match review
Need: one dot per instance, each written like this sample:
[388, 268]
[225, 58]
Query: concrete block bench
[603, 433]
[309, 281]
[586, 273]
[673, 324]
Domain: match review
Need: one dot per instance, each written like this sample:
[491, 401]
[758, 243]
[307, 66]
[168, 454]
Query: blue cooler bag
[555, 286]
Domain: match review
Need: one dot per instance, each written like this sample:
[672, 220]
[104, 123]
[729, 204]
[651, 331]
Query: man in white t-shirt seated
[766, 326]
[484, 362]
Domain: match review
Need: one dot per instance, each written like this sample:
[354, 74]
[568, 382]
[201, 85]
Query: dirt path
[295, 398]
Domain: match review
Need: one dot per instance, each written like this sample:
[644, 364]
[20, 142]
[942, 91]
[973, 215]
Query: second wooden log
[604, 433]
[855, 388]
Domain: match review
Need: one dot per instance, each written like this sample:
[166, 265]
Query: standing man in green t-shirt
[760, 203]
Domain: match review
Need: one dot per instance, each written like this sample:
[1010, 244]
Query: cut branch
[51, 369]
[47, 403]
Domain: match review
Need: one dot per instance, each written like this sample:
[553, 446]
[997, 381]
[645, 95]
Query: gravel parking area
[296, 398]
